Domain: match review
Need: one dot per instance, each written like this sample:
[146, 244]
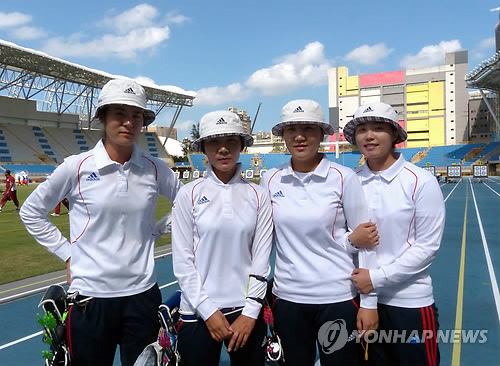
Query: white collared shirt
[221, 233]
[313, 215]
[407, 205]
[112, 219]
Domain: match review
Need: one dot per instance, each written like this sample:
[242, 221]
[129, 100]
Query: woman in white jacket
[316, 206]
[112, 192]
[221, 243]
[407, 205]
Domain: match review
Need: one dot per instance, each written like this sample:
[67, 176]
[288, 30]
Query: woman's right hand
[365, 235]
[218, 326]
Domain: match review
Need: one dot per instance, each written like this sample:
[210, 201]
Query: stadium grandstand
[47, 105]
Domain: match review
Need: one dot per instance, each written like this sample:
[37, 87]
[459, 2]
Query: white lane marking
[40, 289]
[168, 284]
[7, 345]
[498, 194]
[456, 185]
[491, 270]
[21, 340]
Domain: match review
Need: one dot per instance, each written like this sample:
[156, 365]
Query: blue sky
[240, 53]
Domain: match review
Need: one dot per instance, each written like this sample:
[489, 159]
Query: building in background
[244, 117]
[432, 102]
[482, 126]
[162, 131]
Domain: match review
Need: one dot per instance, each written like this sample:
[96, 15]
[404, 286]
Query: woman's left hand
[362, 280]
[242, 328]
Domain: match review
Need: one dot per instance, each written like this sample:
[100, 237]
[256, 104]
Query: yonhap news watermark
[333, 335]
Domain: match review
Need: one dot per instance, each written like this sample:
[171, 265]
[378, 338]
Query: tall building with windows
[432, 102]
[162, 131]
[482, 126]
[244, 117]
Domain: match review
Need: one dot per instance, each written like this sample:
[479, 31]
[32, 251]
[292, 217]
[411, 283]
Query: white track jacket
[312, 220]
[407, 205]
[221, 233]
[112, 219]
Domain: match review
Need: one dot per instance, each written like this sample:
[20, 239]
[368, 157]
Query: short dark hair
[7, 171]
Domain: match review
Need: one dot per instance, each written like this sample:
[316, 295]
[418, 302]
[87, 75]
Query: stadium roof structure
[65, 87]
[486, 76]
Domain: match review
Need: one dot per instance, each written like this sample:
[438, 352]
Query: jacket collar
[388, 175]
[321, 170]
[103, 160]
[213, 177]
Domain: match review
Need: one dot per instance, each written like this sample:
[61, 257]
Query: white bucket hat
[126, 92]
[374, 112]
[302, 111]
[219, 124]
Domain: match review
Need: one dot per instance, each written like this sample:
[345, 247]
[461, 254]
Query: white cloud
[124, 46]
[139, 16]
[221, 95]
[8, 20]
[307, 67]
[173, 17]
[131, 32]
[487, 43]
[185, 126]
[369, 55]
[430, 55]
[26, 32]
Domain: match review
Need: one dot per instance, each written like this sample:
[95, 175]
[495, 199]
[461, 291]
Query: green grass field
[22, 257]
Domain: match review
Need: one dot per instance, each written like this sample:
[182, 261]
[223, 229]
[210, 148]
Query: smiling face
[223, 154]
[303, 140]
[376, 141]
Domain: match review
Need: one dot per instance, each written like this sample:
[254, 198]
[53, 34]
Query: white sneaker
[54, 214]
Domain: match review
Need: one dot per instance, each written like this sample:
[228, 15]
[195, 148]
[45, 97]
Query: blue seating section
[349, 159]
[270, 161]
[197, 160]
[410, 152]
[42, 140]
[441, 156]
[30, 168]
[4, 151]
[152, 150]
[81, 141]
[464, 150]
[487, 149]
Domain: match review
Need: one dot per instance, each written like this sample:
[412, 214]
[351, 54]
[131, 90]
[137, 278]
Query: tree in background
[186, 146]
[195, 131]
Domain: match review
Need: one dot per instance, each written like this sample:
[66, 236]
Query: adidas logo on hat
[93, 177]
[298, 109]
[221, 121]
[203, 200]
[369, 109]
[129, 91]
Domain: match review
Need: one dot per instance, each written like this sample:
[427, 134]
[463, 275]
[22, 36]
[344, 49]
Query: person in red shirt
[10, 191]
[57, 210]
